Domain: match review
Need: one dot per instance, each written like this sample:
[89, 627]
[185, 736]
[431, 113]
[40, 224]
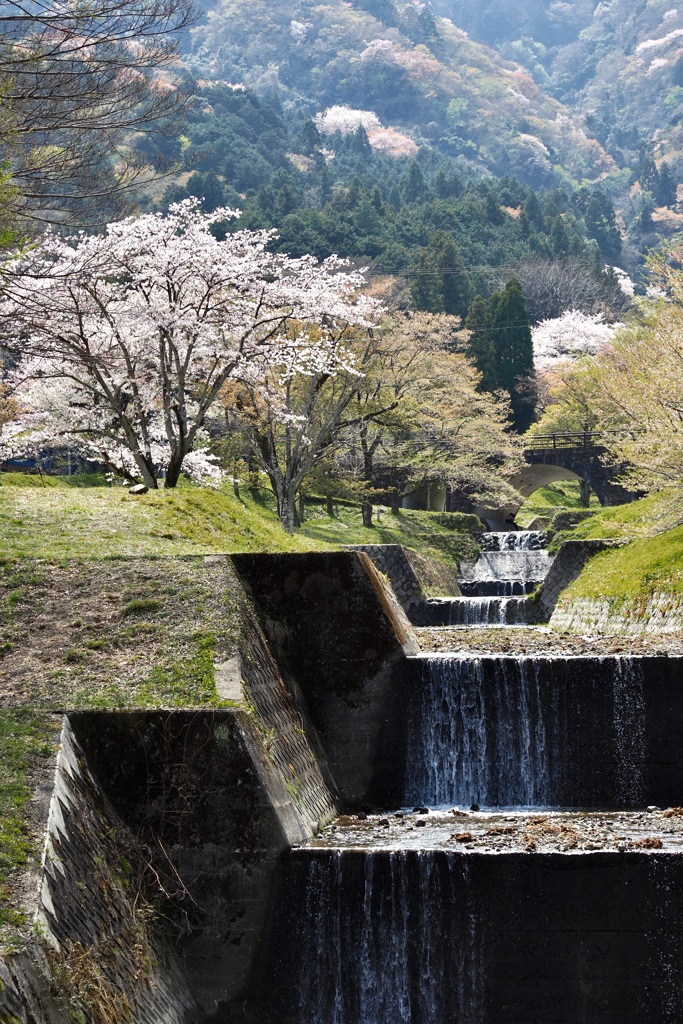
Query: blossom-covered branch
[123, 341]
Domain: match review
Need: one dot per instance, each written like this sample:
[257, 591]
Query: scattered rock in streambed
[541, 640]
[486, 831]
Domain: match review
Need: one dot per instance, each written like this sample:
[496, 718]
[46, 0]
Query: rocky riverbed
[542, 641]
[509, 831]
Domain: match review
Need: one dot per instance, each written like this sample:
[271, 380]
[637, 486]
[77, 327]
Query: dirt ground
[112, 632]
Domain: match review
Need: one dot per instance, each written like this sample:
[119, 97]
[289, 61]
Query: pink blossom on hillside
[392, 143]
[345, 120]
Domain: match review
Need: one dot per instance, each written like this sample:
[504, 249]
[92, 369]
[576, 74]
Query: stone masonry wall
[96, 954]
[659, 614]
[391, 560]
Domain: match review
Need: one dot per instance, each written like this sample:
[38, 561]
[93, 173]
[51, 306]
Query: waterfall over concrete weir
[381, 938]
[474, 611]
[531, 732]
[509, 564]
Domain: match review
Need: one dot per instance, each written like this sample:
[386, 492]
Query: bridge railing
[575, 439]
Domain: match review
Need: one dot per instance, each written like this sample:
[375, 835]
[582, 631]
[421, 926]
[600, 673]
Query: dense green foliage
[553, 94]
[453, 231]
[413, 70]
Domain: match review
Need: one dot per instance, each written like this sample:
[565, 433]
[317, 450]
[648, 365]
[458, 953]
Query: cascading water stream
[413, 934]
[476, 611]
[386, 938]
[493, 589]
[509, 564]
[526, 732]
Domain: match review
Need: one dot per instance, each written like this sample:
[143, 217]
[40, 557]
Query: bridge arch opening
[529, 480]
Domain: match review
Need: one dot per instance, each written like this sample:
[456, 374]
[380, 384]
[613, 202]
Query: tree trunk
[395, 502]
[172, 473]
[366, 508]
[302, 509]
[286, 508]
[585, 493]
[329, 502]
[252, 470]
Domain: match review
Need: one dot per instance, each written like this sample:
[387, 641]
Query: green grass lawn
[651, 559]
[63, 518]
[546, 501]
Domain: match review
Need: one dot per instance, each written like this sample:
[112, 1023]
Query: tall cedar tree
[480, 346]
[514, 349]
[442, 284]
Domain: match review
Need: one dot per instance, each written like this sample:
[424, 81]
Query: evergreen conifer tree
[480, 345]
[514, 349]
[559, 238]
[413, 183]
[456, 289]
[666, 194]
[395, 197]
[425, 288]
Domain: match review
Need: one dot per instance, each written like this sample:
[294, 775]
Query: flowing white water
[509, 564]
[629, 731]
[388, 938]
[478, 611]
[479, 737]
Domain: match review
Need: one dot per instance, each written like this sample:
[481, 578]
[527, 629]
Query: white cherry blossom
[123, 341]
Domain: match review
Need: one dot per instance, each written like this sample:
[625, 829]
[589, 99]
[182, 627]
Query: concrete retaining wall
[567, 566]
[661, 613]
[96, 954]
[340, 632]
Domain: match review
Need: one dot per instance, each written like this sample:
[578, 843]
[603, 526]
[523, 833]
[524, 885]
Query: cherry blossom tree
[571, 335]
[123, 341]
[345, 120]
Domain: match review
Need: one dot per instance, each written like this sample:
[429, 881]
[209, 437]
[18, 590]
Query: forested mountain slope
[618, 63]
[414, 70]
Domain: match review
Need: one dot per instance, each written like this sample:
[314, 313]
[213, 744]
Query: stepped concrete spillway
[384, 835]
[493, 589]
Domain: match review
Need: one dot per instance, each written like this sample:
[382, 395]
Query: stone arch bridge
[583, 456]
[549, 458]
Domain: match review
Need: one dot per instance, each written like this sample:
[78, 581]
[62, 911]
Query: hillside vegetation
[414, 71]
[64, 520]
[618, 63]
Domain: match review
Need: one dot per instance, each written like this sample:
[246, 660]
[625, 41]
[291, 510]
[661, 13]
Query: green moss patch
[27, 741]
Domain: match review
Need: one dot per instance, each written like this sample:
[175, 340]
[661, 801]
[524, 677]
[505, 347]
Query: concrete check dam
[384, 835]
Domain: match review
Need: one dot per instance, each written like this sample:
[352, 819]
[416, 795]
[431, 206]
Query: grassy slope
[543, 503]
[63, 519]
[107, 600]
[27, 741]
[651, 561]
